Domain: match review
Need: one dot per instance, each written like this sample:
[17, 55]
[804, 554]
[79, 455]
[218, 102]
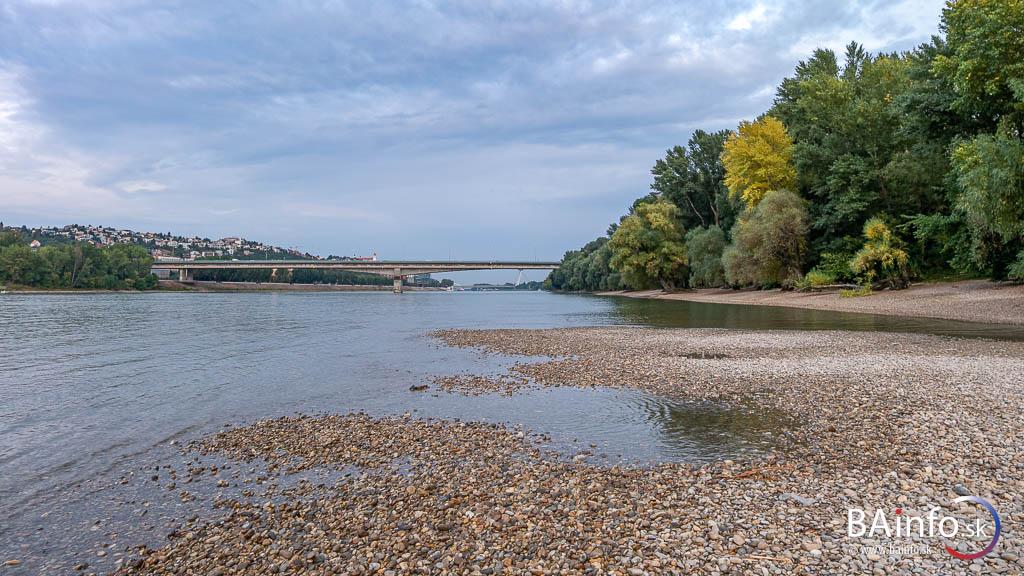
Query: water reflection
[684, 314]
[706, 430]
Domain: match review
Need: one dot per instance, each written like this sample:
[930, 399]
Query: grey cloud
[505, 119]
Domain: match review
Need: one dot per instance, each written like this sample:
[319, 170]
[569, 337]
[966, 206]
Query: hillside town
[159, 245]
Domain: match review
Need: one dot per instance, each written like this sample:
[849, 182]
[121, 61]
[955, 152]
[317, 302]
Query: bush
[705, 247]
[769, 242]
[881, 257]
[815, 278]
[836, 265]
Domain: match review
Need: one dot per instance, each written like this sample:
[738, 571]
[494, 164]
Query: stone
[796, 498]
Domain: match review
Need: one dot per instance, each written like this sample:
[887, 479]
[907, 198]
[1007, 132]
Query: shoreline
[173, 286]
[981, 301]
[206, 286]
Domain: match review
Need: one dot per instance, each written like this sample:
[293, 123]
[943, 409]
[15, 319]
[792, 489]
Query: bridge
[397, 269]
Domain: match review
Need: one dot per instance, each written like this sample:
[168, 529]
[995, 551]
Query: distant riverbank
[282, 286]
[174, 286]
[969, 300]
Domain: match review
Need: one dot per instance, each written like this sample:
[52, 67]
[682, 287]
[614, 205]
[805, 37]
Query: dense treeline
[296, 276]
[117, 267]
[872, 168]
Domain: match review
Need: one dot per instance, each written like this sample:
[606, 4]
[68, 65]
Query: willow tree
[769, 242]
[649, 247]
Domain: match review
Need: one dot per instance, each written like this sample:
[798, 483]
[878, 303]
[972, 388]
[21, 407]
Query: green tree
[986, 64]
[20, 265]
[930, 124]
[648, 247]
[769, 242]
[693, 178]
[850, 149]
[757, 159]
[9, 238]
[587, 269]
[990, 173]
[121, 266]
[705, 247]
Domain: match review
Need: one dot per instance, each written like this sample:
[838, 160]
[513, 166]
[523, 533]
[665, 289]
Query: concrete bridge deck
[396, 269]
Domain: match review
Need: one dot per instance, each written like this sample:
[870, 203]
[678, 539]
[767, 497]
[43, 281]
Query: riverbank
[879, 421]
[204, 286]
[175, 286]
[969, 300]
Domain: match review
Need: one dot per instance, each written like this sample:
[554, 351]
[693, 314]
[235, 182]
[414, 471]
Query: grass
[856, 292]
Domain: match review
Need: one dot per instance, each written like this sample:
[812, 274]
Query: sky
[416, 130]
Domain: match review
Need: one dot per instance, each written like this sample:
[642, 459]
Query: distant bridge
[396, 269]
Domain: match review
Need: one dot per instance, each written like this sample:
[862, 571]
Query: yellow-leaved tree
[757, 160]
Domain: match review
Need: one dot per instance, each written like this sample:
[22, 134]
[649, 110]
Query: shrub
[881, 257]
[705, 247]
[815, 278]
[836, 265]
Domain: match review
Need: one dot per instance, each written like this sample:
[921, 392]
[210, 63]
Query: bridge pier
[186, 275]
[398, 280]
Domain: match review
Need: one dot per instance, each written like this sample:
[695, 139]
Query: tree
[990, 173]
[930, 124]
[881, 257]
[705, 247]
[117, 267]
[19, 265]
[932, 138]
[757, 159]
[9, 238]
[586, 269]
[986, 64]
[769, 242]
[693, 178]
[648, 247]
[851, 153]
[983, 64]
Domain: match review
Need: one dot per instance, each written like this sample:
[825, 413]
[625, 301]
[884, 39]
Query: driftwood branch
[835, 287]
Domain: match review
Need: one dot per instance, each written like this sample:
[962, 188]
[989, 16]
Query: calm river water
[95, 387]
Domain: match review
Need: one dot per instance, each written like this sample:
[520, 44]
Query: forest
[82, 265]
[868, 169]
[296, 276]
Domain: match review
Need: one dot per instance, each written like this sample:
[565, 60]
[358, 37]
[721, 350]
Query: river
[96, 387]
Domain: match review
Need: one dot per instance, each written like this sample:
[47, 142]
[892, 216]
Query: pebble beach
[879, 421]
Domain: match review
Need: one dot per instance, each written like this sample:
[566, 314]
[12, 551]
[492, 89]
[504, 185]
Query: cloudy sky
[416, 130]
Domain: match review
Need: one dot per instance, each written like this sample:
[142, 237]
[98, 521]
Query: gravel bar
[884, 421]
